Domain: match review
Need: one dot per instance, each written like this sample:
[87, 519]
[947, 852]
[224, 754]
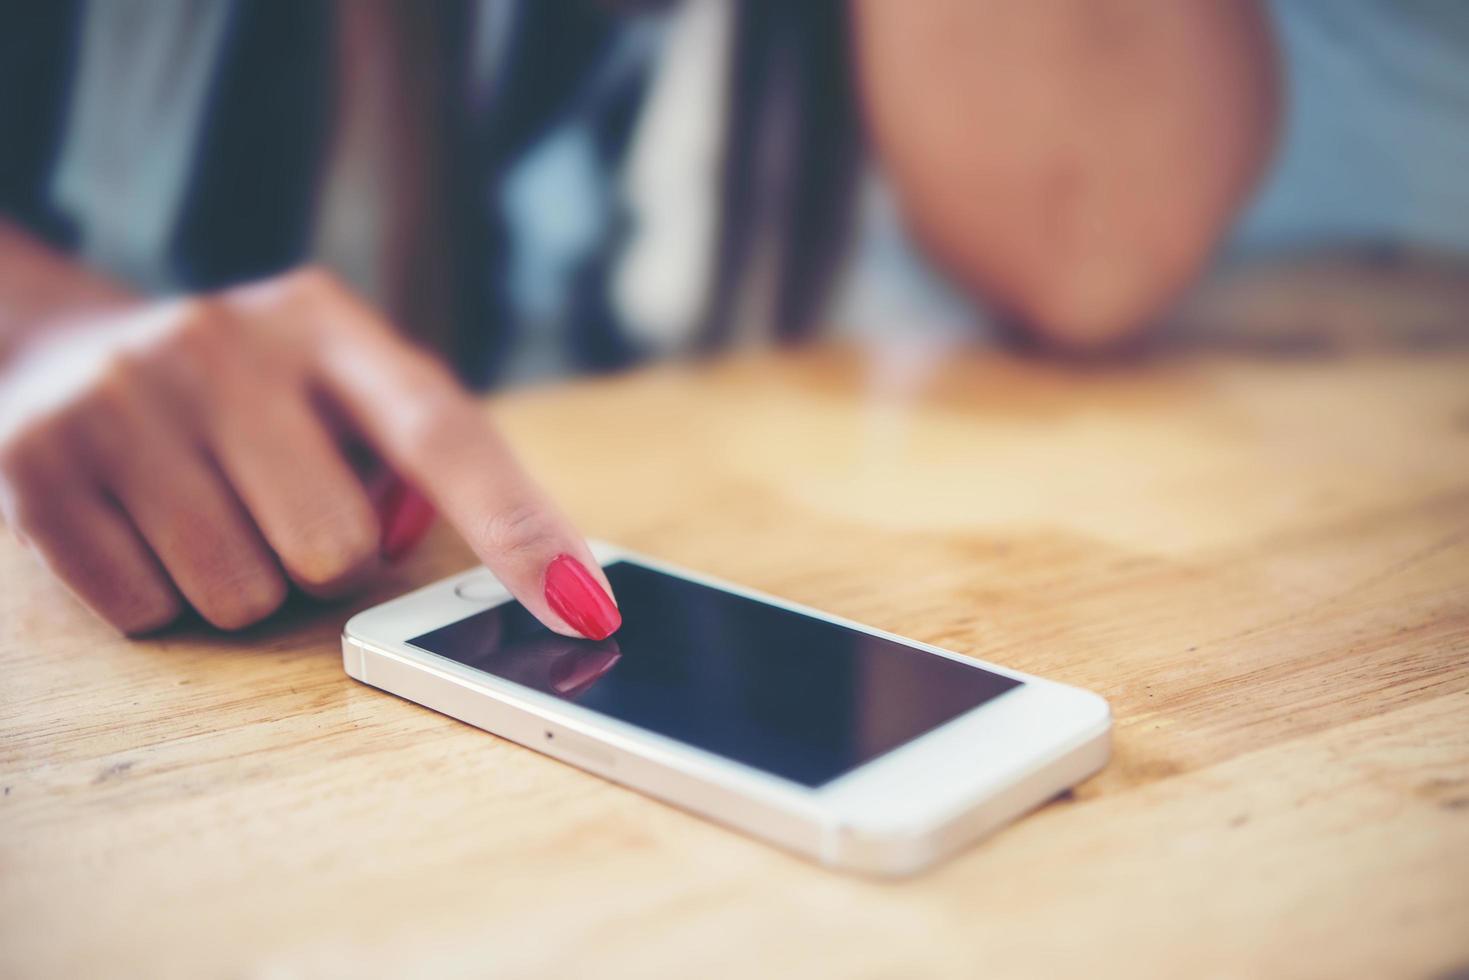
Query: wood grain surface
[1262, 562]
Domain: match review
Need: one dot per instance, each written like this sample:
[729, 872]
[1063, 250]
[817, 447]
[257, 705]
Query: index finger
[431, 430]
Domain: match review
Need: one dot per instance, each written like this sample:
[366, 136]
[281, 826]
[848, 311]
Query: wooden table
[1263, 563]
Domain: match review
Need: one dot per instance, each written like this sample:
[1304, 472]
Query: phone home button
[480, 587]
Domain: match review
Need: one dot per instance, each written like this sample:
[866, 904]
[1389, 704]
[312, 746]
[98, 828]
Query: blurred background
[1119, 341]
[539, 189]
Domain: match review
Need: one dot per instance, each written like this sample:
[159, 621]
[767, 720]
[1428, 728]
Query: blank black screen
[777, 690]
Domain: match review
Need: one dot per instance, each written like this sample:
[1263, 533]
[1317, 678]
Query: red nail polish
[405, 517]
[579, 599]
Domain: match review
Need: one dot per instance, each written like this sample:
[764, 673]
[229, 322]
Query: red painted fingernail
[579, 599]
[571, 674]
[405, 517]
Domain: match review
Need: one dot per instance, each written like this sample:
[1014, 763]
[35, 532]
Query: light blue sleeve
[1375, 146]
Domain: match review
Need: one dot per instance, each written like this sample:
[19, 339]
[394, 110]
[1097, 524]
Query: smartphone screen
[793, 696]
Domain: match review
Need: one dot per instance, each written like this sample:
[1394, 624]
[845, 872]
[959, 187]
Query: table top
[1261, 561]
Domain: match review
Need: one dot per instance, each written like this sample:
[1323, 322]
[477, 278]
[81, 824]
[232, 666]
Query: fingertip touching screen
[783, 692]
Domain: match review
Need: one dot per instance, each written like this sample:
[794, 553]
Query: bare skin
[1072, 161]
[186, 452]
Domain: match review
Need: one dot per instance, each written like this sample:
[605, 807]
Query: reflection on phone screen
[780, 691]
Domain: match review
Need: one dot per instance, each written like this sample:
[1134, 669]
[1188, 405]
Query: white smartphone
[858, 748]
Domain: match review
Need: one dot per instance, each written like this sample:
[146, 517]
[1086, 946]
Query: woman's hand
[188, 452]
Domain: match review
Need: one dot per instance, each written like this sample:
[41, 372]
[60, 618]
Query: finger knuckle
[202, 335]
[102, 427]
[520, 529]
[196, 315]
[221, 355]
[117, 394]
[310, 284]
[194, 322]
[176, 340]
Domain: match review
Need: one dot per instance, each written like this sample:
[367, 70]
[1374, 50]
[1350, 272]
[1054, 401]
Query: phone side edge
[799, 829]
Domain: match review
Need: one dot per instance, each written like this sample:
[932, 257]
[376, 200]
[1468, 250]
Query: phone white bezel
[887, 815]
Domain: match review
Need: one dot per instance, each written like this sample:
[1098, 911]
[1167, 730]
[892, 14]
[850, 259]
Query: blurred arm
[39, 288]
[1073, 161]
